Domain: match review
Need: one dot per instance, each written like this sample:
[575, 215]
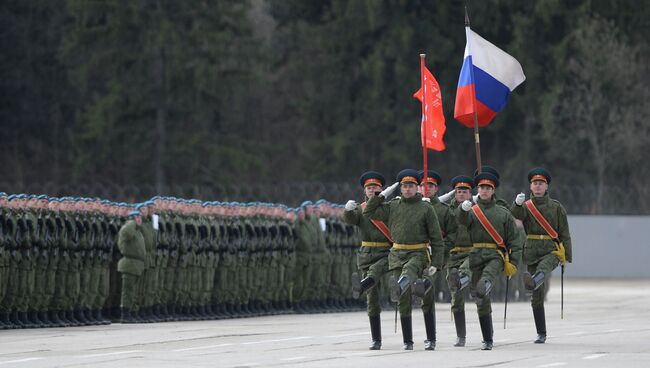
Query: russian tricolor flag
[487, 77]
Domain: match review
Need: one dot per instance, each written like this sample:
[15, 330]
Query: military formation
[85, 261]
[473, 241]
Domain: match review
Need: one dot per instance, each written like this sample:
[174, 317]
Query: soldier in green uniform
[548, 241]
[496, 247]
[372, 256]
[463, 186]
[414, 227]
[424, 288]
[132, 247]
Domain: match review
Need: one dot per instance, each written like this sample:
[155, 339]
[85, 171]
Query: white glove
[388, 191]
[466, 206]
[350, 205]
[431, 270]
[447, 196]
[426, 199]
[521, 197]
[475, 198]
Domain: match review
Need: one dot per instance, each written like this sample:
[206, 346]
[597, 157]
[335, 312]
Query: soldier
[372, 256]
[424, 288]
[496, 248]
[414, 226]
[548, 241]
[132, 247]
[463, 186]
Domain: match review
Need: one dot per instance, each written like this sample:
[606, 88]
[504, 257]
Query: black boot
[421, 287]
[15, 320]
[540, 324]
[79, 316]
[44, 317]
[32, 316]
[22, 316]
[99, 317]
[56, 320]
[458, 280]
[486, 330]
[5, 321]
[533, 282]
[483, 288]
[459, 321]
[361, 286]
[375, 331]
[407, 332]
[64, 317]
[126, 316]
[430, 327]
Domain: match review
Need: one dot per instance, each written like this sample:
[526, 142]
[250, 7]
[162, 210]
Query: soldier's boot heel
[404, 285]
[540, 325]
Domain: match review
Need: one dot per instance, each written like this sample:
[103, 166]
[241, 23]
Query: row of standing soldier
[475, 239]
[75, 261]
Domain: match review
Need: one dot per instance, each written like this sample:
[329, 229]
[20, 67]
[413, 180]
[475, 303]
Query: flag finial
[466, 16]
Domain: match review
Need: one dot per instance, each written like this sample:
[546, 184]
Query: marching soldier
[413, 226]
[496, 248]
[463, 186]
[425, 287]
[372, 256]
[548, 241]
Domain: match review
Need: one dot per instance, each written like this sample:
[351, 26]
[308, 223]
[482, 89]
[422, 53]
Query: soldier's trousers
[457, 296]
[407, 263]
[130, 286]
[373, 262]
[547, 264]
[103, 286]
[23, 289]
[485, 268]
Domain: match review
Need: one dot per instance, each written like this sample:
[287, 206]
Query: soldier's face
[463, 195]
[138, 220]
[371, 189]
[432, 189]
[485, 192]
[538, 187]
[408, 190]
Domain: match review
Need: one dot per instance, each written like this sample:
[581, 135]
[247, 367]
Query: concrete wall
[609, 246]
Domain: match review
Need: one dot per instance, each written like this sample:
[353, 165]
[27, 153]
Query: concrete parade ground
[606, 324]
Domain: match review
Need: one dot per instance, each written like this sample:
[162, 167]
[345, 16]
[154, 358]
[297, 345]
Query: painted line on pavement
[346, 335]
[594, 356]
[20, 360]
[109, 354]
[551, 365]
[576, 333]
[277, 340]
[202, 347]
[294, 358]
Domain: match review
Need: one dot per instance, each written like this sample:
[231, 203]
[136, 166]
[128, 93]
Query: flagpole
[425, 189]
[477, 140]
